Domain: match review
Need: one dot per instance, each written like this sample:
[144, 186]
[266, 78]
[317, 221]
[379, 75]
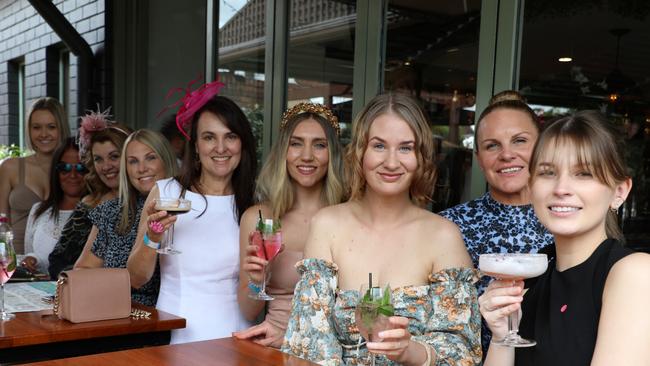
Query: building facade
[450, 55]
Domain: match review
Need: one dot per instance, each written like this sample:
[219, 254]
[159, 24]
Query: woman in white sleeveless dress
[200, 283]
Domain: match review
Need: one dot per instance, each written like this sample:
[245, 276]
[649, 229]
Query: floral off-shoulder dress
[444, 314]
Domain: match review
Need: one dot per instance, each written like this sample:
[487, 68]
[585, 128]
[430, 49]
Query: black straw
[370, 281]
[260, 212]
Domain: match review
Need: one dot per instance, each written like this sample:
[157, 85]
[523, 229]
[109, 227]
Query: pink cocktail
[268, 240]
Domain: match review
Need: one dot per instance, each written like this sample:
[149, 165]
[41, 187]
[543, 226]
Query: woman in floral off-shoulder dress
[384, 230]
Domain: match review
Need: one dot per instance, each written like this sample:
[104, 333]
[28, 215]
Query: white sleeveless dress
[200, 283]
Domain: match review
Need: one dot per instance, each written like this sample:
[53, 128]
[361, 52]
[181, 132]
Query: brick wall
[26, 37]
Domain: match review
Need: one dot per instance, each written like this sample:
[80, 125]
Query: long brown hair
[598, 146]
[115, 134]
[243, 178]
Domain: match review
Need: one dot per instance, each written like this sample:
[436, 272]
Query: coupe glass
[7, 268]
[517, 267]
[173, 206]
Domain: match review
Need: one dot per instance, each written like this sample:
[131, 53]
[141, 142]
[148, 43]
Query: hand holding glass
[514, 267]
[374, 308]
[173, 206]
[268, 246]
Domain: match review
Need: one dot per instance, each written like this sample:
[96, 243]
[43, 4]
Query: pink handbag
[92, 294]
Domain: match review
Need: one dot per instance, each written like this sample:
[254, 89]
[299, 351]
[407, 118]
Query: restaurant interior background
[452, 55]
[562, 56]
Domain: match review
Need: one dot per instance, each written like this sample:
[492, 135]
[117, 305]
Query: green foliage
[256, 117]
[11, 151]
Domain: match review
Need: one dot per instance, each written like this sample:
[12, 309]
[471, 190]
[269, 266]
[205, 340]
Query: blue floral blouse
[444, 314]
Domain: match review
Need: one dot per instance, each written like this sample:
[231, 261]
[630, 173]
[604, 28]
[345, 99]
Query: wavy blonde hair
[408, 110]
[274, 185]
[127, 193]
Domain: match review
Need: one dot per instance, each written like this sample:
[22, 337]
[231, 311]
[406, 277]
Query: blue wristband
[255, 288]
[149, 243]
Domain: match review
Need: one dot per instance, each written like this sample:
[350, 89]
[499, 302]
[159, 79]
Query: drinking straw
[261, 233]
[370, 281]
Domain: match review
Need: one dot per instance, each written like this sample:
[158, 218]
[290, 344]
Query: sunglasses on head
[67, 168]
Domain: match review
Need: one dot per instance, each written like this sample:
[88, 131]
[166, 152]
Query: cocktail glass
[516, 267]
[173, 206]
[374, 307]
[268, 247]
[7, 269]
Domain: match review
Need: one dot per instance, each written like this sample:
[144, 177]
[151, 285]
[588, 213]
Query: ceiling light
[565, 59]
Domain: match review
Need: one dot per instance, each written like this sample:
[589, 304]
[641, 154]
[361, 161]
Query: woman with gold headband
[302, 174]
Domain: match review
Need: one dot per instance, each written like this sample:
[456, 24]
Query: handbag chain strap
[57, 295]
[135, 313]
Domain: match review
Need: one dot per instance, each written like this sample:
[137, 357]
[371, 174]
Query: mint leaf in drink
[386, 310]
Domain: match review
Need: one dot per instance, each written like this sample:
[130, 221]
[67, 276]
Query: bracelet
[255, 288]
[427, 348]
[151, 244]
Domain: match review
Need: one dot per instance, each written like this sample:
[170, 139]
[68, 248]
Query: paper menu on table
[28, 296]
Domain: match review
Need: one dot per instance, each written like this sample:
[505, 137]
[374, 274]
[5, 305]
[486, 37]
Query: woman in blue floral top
[383, 230]
[502, 220]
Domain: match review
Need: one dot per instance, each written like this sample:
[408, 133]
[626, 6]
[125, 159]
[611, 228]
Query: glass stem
[171, 237]
[513, 327]
[263, 290]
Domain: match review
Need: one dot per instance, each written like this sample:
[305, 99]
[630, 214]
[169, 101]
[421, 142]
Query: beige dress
[21, 200]
[284, 277]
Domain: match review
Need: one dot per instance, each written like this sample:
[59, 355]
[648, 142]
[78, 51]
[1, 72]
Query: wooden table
[219, 352]
[40, 335]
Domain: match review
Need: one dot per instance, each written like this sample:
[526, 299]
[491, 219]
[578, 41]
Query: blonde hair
[275, 186]
[407, 109]
[598, 148]
[127, 192]
[53, 106]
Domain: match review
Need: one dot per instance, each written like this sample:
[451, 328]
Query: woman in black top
[591, 305]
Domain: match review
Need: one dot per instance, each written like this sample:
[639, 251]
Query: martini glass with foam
[517, 267]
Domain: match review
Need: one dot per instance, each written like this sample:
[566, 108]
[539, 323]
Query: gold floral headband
[318, 109]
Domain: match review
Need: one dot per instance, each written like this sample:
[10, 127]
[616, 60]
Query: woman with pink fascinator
[199, 282]
[100, 147]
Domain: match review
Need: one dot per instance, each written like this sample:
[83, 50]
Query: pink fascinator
[91, 123]
[191, 102]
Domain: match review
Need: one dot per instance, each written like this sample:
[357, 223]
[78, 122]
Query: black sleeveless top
[561, 309]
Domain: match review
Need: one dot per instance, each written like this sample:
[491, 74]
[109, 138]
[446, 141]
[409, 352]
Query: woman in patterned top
[100, 146]
[502, 220]
[384, 230]
[146, 158]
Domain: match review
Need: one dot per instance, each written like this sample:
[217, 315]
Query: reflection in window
[432, 55]
[598, 67]
[321, 56]
[241, 58]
